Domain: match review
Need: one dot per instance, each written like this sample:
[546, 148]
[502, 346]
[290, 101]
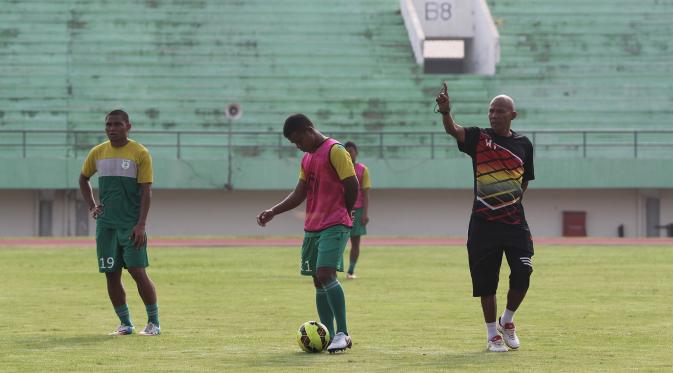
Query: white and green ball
[312, 336]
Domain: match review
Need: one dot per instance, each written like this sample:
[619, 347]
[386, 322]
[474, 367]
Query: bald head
[504, 100]
[501, 113]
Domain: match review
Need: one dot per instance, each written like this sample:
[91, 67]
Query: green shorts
[324, 249]
[115, 250]
[358, 228]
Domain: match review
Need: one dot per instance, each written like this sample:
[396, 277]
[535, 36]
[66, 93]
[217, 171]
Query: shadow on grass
[61, 342]
[466, 360]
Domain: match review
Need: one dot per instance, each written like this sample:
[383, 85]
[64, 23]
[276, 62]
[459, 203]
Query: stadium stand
[578, 64]
[175, 66]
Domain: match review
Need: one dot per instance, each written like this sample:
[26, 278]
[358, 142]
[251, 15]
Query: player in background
[125, 177]
[328, 184]
[361, 215]
[502, 161]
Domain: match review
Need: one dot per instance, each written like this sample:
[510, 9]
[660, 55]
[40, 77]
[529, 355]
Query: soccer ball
[312, 336]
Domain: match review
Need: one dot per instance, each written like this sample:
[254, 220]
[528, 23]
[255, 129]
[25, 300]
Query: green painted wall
[255, 174]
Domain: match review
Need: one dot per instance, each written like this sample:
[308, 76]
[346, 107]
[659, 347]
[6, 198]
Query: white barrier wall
[410, 212]
[18, 212]
[393, 212]
[606, 209]
[666, 197]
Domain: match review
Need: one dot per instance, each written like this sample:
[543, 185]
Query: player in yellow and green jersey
[361, 208]
[125, 178]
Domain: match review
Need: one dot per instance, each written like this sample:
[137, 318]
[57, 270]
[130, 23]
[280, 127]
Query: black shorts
[486, 243]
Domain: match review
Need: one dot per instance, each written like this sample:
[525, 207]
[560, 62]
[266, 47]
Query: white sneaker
[122, 330]
[340, 342]
[496, 344]
[508, 332]
[351, 276]
[150, 330]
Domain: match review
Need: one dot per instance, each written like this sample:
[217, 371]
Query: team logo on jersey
[126, 164]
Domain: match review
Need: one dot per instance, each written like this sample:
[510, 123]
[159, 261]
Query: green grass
[237, 309]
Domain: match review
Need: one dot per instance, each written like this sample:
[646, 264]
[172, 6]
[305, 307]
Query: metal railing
[194, 144]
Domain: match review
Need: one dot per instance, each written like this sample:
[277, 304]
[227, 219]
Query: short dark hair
[350, 144]
[296, 122]
[119, 112]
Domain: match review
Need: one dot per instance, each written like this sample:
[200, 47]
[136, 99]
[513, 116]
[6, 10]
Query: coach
[502, 161]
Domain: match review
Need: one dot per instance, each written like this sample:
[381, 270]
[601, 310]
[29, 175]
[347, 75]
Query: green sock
[324, 310]
[337, 302]
[152, 313]
[124, 314]
[351, 266]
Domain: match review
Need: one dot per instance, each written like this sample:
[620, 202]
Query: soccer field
[238, 309]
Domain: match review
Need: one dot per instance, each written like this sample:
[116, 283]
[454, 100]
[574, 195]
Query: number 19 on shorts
[106, 263]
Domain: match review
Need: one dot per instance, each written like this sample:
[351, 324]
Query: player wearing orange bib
[328, 184]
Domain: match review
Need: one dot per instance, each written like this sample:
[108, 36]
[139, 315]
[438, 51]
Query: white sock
[491, 330]
[507, 317]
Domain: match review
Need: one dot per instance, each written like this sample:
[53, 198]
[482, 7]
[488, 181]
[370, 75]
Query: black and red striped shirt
[501, 166]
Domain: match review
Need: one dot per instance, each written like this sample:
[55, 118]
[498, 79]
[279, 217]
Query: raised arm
[294, 199]
[444, 107]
